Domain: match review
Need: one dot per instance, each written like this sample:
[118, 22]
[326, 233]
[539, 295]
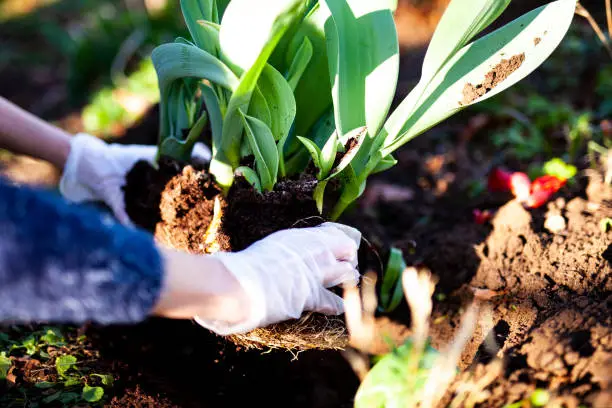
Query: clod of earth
[493, 78]
[537, 40]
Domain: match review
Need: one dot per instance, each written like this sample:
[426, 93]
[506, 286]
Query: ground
[545, 293]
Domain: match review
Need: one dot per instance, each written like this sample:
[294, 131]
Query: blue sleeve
[66, 263]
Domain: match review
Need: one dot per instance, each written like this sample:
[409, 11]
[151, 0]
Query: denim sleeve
[67, 263]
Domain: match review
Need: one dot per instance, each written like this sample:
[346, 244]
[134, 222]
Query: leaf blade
[363, 53]
[263, 146]
[471, 64]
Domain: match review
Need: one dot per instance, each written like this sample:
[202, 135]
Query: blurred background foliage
[84, 64]
[89, 55]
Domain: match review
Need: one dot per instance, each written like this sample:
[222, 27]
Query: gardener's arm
[66, 263]
[23, 133]
[92, 170]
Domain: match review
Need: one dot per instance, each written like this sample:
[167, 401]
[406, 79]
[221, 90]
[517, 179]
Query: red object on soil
[538, 198]
[518, 183]
[499, 180]
[532, 194]
[547, 183]
[482, 217]
[542, 189]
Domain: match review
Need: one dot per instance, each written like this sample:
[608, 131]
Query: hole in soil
[550, 280]
[580, 342]
[517, 362]
[485, 251]
[496, 338]
[607, 254]
[542, 384]
[523, 239]
[586, 385]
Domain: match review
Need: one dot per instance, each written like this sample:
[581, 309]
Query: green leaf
[92, 394]
[30, 344]
[211, 101]
[462, 20]
[221, 6]
[177, 61]
[320, 133]
[53, 337]
[250, 176]
[314, 151]
[300, 63]
[390, 383]
[319, 194]
[385, 164]
[353, 187]
[510, 47]
[558, 168]
[44, 385]
[281, 102]
[263, 146]
[313, 92]
[258, 108]
[391, 293]
[107, 379]
[64, 363]
[363, 52]
[257, 46]
[249, 27]
[196, 11]
[605, 224]
[539, 398]
[72, 381]
[5, 365]
[182, 149]
[328, 155]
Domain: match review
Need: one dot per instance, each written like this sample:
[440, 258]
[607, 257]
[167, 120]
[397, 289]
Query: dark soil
[143, 191]
[176, 203]
[548, 316]
[493, 78]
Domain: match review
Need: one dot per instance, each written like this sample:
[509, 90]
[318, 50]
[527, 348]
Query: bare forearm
[196, 285]
[23, 133]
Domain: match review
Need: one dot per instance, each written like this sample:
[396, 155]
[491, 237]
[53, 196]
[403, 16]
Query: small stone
[571, 358]
[560, 203]
[555, 223]
[592, 207]
[582, 302]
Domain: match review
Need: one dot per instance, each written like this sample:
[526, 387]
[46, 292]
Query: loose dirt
[548, 325]
[493, 78]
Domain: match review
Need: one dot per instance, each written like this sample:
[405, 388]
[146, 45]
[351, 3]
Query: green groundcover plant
[289, 82]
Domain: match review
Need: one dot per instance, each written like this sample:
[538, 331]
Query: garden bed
[546, 296]
[549, 295]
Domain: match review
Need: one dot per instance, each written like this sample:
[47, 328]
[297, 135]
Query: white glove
[96, 170]
[289, 272]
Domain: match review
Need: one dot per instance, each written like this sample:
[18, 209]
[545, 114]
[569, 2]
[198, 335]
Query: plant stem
[581, 11]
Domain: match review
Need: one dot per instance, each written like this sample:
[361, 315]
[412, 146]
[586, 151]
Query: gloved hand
[288, 273]
[96, 170]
